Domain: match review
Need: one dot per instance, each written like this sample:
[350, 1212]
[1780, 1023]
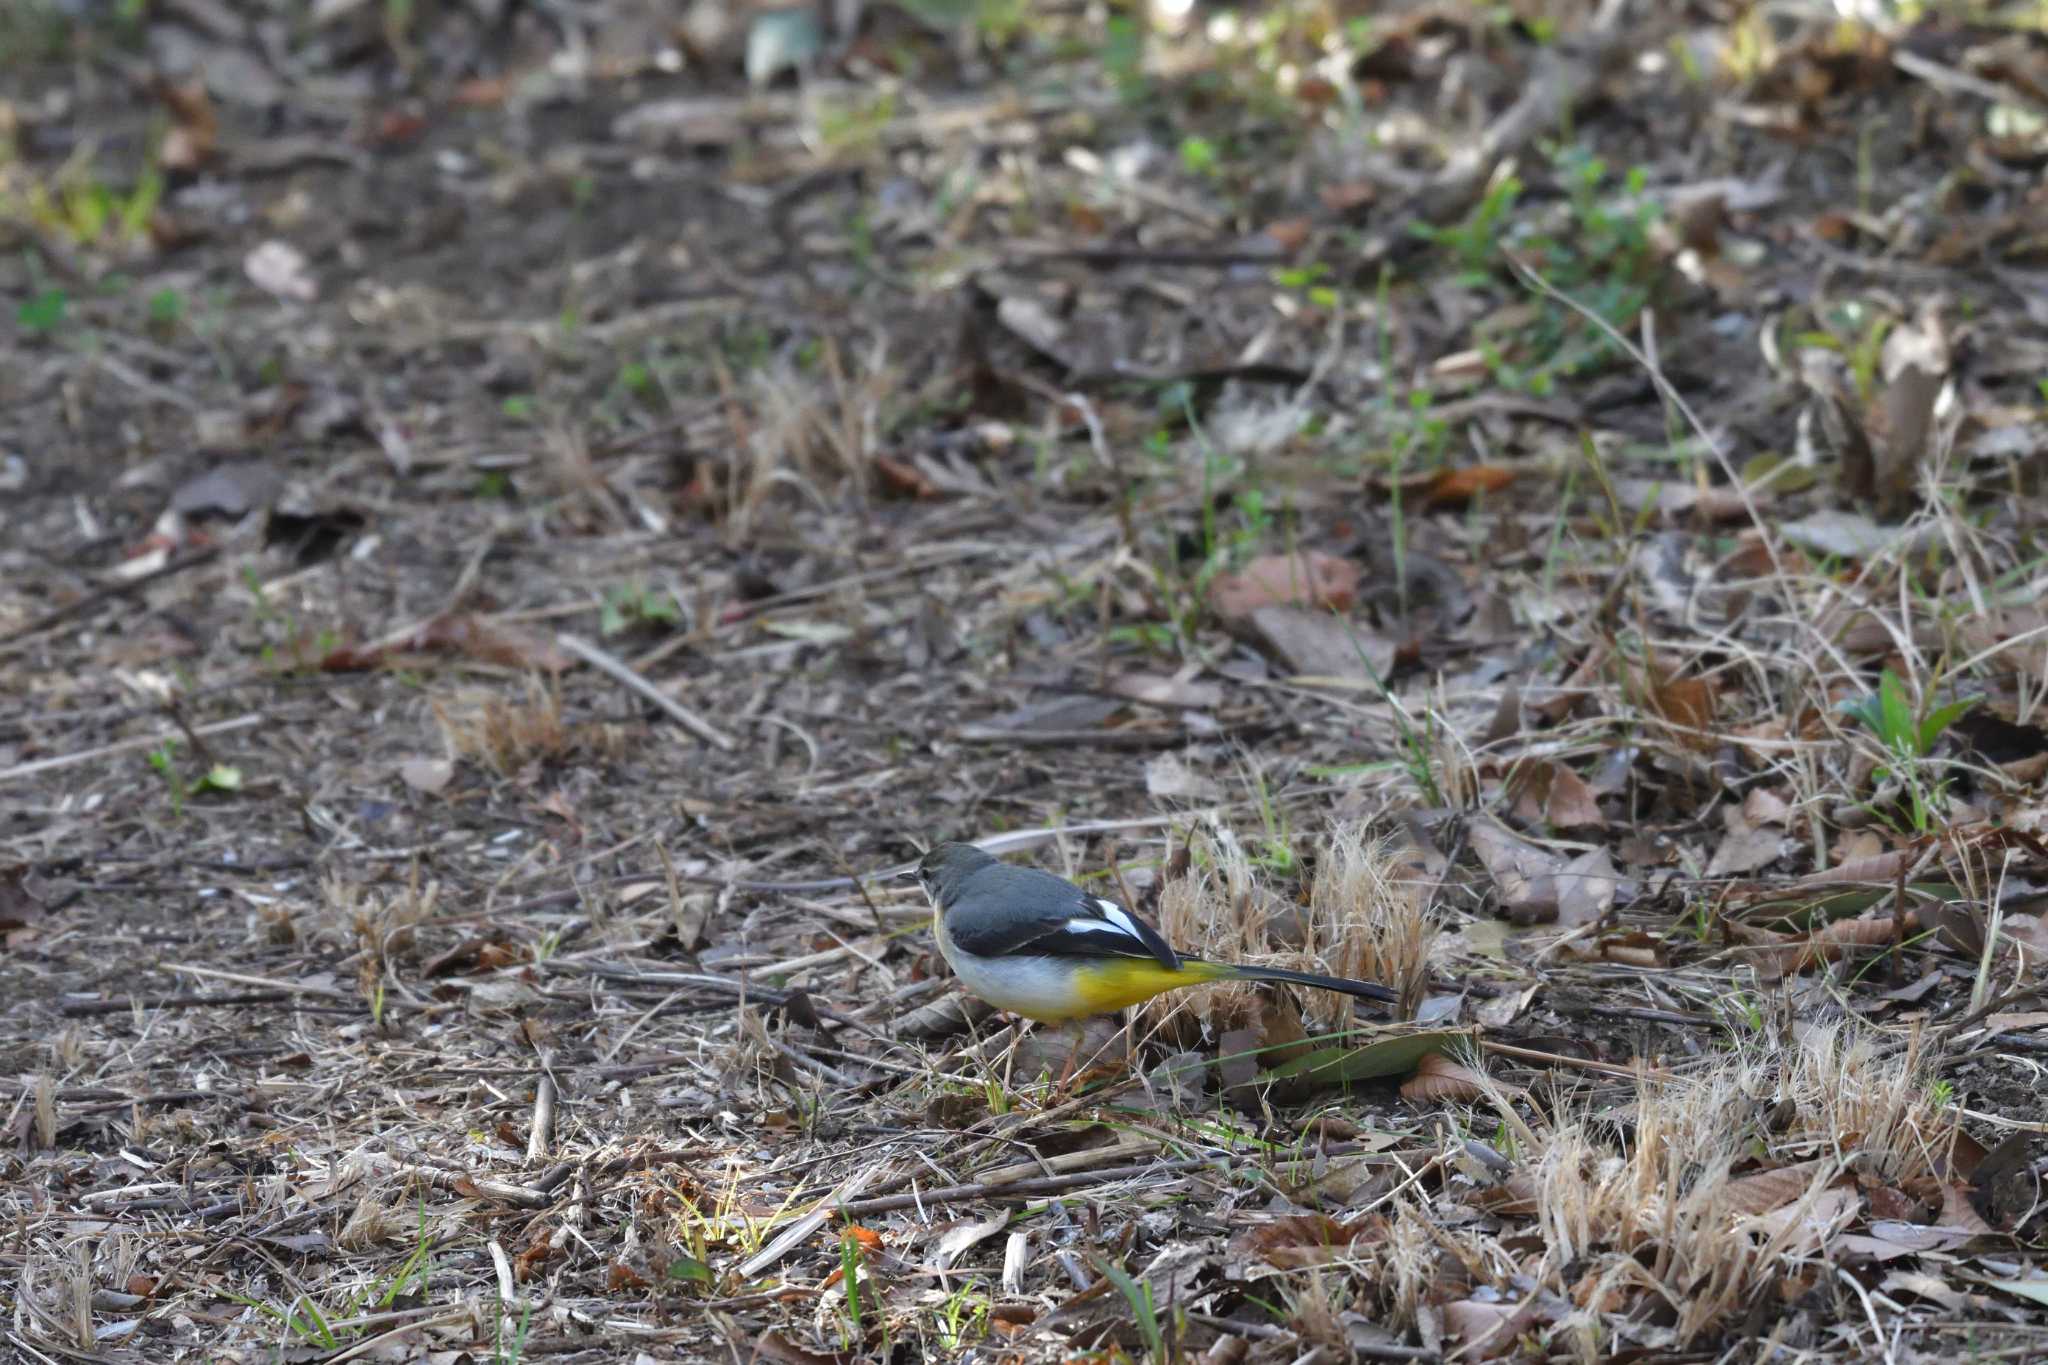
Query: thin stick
[264, 982]
[107, 591]
[799, 1231]
[543, 1119]
[121, 1004]
[1018, 1189]
[44, 765]
[1626, 1073]
[617, 670]
[463, 1183]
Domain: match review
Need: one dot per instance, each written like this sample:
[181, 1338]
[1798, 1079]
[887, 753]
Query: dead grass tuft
[816, 433]
[1361, 921]
[1365, 920]
[1716, 1187]
[510, 737]
[1209, 912]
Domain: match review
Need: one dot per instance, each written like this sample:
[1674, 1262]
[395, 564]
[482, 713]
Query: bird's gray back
[1001, 907]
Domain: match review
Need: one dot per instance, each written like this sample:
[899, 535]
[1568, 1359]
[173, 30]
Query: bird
[1035, 944]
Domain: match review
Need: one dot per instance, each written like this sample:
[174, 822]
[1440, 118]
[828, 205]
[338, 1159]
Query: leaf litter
[1567, 555]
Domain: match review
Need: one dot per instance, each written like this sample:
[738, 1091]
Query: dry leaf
[1571, 803]
[1488, 1329]
[1296, 1241]
[1745, 847]
[280, 269]
[1439, 1078]
[1310, 579]
[1585, 888]
[1525, 875]
[1764, 1191]
[429, 775]
[1456, 487]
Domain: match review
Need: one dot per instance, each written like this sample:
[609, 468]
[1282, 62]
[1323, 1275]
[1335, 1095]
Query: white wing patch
[1117, 916]
[1095, 928]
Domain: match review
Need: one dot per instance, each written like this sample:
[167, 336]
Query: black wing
[1003, 909]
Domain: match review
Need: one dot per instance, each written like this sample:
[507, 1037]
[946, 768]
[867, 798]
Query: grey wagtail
[1038, 945]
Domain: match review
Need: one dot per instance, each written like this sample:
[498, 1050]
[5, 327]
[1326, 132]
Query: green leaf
[1898, 713]
[1940, 719]
[688, 1268]
[1139, 1296]
[43, 313]
[221, 777]
[1395, 1056]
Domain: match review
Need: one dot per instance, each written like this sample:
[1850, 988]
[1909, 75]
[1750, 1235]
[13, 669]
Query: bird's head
[947, 866]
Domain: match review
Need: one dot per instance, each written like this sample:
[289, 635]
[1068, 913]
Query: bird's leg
[1059, 1089]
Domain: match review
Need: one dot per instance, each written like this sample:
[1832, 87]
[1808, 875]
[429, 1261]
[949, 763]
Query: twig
[44, 765]
[1524, 1054]
[543, 1119]
[802, 1228]
[503, 1265]
[617, 670]
[472, 1186]
[121, 1004]
[110, 590]
[1017, 1189]
[264, 982]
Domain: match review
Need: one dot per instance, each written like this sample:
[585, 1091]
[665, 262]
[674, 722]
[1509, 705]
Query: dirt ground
[511, 515]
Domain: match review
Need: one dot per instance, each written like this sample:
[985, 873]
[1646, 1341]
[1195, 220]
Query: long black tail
[1364, 990]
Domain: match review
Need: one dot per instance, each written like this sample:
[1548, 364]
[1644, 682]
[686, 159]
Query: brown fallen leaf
[1745, 847]
[1525, 875]
[904, 479]
[1310, 579]
[1438, 1078]
[18, 909]
[1488, 1329]
[1763, 1191]
[1786, 954]
[1296, 1241]
[1586, 887]
[1457, 487]
[1571, 803]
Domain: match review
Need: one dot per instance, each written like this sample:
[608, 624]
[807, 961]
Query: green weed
[307, 1322]
[631, 606]
[164, 759]
[1908, 735]
[1138, 1294]
[43, 312]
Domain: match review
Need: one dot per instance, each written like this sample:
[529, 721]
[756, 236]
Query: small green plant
[1123, 57]
[631, 606]
[1306, 280]
[963, 1319]
[849, 1276]
[305, 1320]
[1138, 1294]
[1908, 736]
[164, 758]
[856, 125]
[1475, 243]
[1198, 156]
[166, 309]
[43, 312]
